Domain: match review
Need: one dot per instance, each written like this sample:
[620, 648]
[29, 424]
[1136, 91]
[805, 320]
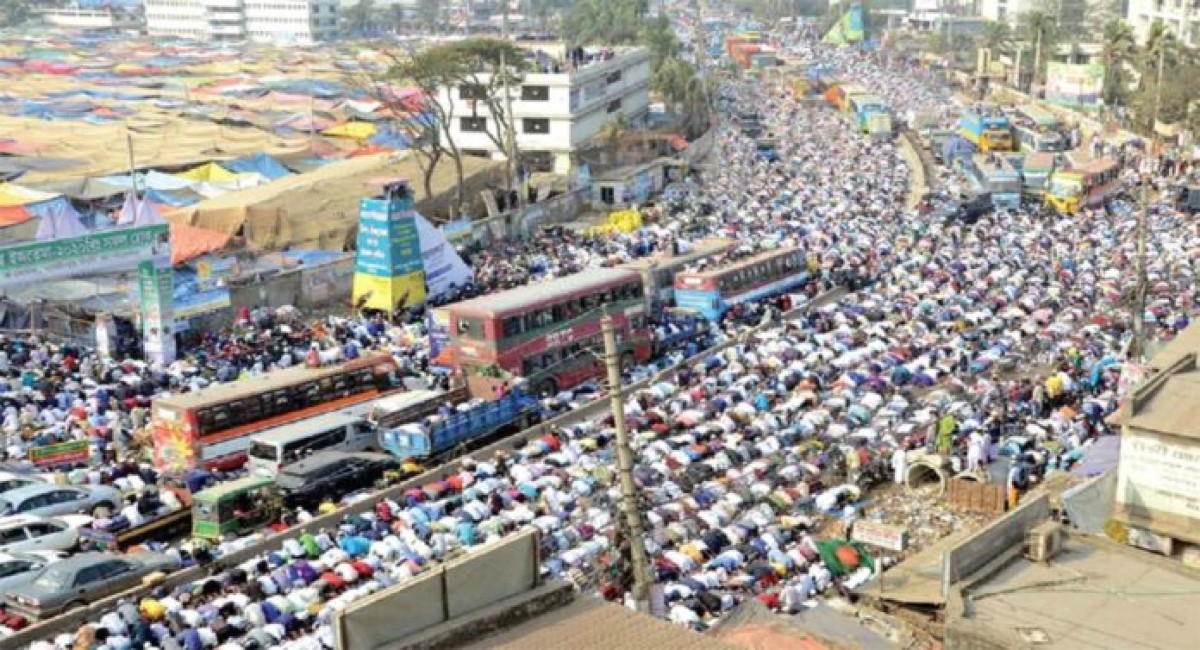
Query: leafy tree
[1040, 28]
[14, 12]
[996, 36]
[607, 22]
[430, 70]
[429, 13]
[1119, 53]
[359, 16]
[489, 64]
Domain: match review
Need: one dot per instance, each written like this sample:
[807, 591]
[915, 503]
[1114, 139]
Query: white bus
[274, 448]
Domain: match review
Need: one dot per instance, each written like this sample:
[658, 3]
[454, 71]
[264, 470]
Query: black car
[330, 474]
[966, 210]
[1187, 198]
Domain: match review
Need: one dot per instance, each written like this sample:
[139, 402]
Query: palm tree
[1120, 49]
[996, 36]
[1039, 27]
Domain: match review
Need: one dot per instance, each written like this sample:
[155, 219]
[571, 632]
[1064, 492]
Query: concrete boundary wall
[976, 551]
[461, 586]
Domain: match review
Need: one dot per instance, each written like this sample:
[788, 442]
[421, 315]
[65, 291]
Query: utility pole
[1138, 349]
[629, 505]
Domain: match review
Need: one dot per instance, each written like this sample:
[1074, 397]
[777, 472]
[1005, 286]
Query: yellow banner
[375, 292]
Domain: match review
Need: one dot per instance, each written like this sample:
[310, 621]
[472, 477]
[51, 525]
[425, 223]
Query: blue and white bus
[714, 291]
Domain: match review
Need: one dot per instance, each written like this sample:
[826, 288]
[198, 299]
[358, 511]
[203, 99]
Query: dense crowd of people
[1005, 337]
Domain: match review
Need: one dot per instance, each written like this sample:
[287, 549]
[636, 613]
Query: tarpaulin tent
[261, 164]
[11, 195]
[189, 242]
[58, 219]
[11, 215]
[211, 173]
[355, 130]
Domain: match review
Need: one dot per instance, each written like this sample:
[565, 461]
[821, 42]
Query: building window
[538, 161]
[614, 105]
[476, 153]
[535, 125]
[472, 91]
[535, 93]
[607, 195]
[473, 124]
[613, 77]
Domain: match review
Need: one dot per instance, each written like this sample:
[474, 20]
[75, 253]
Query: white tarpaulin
[443, 266]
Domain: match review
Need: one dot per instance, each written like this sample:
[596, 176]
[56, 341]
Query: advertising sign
[389, 268]
[63, 453]
[893, 538]
[1074, 84]
[155, 288]
[1160, 475]
[111, 250]
[388, 244]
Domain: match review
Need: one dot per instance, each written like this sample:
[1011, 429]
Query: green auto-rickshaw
[235, 507]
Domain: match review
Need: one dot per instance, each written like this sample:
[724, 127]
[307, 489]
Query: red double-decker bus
[549, 333]
[212, 427]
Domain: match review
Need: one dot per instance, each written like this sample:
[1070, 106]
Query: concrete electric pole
[629, 504]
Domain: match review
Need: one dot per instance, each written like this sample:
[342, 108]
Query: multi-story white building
[283, 21]
[1008, 11]
[557, 111]
[1182, 17]
[100, 19]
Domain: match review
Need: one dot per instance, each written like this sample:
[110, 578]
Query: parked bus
[1034, 140]
[549, 333]
[1087, 185]
[1038, 117]
[269, 450]
[987, 128]
[658, 273]
[996, 176]
[840, 94]
[863, 107]
[212, 427]
[1035, 173]
[712, 292]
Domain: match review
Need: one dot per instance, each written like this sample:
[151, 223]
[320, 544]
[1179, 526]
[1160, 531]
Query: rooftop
[1166, 402]
[1094, 594]
[592, 623]
[498, 303]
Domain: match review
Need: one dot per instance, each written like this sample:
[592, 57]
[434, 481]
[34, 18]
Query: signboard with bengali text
[62, 453]
[118, 249]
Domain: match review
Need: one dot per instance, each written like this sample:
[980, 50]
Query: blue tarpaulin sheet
[262, 164]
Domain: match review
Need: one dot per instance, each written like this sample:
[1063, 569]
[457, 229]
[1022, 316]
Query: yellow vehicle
[1085, 186]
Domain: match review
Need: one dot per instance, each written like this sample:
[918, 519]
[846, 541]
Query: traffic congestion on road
[1003, 336]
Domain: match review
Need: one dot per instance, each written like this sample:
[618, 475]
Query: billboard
[1074, 84]
[389, 271]
[119, 249]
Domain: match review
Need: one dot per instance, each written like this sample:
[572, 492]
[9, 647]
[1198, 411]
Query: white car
[18, 568]
[14, 480]
[33, 533]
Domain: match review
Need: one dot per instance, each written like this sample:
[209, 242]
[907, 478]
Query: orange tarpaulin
[189, 242]
[11, 215]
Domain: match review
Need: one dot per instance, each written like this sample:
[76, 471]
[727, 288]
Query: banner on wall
[107, 251]
[1074, 84]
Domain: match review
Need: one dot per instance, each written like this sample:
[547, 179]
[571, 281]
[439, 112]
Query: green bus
[231, 508]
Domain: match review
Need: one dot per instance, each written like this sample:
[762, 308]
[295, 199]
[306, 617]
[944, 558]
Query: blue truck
[444, 424]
